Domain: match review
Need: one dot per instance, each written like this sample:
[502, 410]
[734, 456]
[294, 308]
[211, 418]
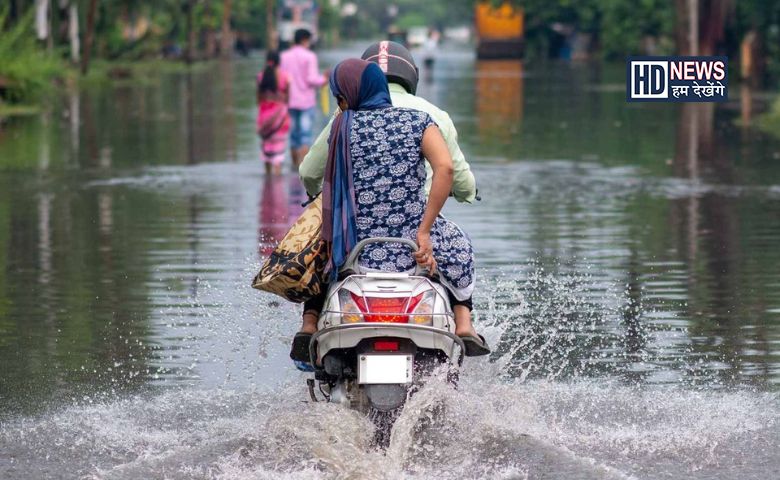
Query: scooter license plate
[385, 369]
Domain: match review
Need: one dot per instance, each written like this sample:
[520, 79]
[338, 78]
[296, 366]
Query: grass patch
[138, 72]
[769, 122]
[26, 70]
[17, 110]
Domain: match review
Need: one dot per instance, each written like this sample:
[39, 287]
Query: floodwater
[629, 280]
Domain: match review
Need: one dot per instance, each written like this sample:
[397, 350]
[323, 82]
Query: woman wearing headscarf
[374, 187]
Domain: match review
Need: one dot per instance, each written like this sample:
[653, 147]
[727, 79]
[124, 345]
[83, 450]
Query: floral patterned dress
[389, 179]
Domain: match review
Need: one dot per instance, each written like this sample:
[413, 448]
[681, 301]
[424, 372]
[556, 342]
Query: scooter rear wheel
[383, 424]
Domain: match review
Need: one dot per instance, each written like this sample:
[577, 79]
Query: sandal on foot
[475, 347]
[300, 347]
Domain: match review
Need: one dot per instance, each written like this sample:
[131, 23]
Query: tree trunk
[712, 25]
[190, 54]
[700, 25]
[693, 27]
[14, 12]
[209, 34]
[50, 28]
[73, 32]
[226, 43]
[42, 19]
[90, 33]
[270, 26]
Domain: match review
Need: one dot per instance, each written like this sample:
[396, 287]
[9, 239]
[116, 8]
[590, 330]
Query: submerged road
[628, 276]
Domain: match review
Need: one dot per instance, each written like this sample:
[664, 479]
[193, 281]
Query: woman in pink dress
[273, 119]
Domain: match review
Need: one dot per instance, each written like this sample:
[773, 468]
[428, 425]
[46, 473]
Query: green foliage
[162, 22]
[26, 70]
[763, 17]
[167, 24]
[411, 13]
[329, 17]
[411, 19]
[249, 17]
[770, 121]
[617, 26]
[624, 24]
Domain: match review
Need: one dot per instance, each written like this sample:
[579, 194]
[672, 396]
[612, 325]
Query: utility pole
[693, 27]
[226, 43]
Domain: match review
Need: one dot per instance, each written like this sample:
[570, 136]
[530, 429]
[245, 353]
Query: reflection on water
[498, 100]
[711, 226]
[281, 203]
[628, 279]
[274, 218]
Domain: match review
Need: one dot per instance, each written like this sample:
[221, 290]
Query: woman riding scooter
[374, 186]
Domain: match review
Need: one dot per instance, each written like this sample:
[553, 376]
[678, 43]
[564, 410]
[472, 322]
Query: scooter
[379, 336]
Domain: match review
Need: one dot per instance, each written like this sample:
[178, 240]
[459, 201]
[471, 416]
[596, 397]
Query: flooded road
[629, 280]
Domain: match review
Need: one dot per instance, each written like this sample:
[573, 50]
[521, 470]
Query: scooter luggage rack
[406, 292]
[351, 264]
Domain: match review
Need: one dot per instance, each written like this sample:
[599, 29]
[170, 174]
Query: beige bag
[294, 270]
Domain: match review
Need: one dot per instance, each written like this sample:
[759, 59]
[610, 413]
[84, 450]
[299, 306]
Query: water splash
[484, 428]
[569, 324]
[554, 399]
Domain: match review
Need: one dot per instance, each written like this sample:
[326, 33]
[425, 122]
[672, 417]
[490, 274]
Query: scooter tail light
[350, 310]
[386, 309]
[422, 313]
[386, 346]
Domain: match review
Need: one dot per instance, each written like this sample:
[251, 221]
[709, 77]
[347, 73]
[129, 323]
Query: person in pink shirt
[300, 63]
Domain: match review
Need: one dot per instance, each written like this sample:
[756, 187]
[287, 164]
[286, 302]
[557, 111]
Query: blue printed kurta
[389, 178]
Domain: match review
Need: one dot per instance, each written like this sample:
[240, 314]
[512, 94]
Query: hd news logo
[677, 79]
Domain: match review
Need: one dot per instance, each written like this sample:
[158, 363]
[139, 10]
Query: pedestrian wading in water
[301, 64]
[273, 118]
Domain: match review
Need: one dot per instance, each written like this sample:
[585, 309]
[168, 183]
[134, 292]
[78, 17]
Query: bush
[26, 70]
[769, 122]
